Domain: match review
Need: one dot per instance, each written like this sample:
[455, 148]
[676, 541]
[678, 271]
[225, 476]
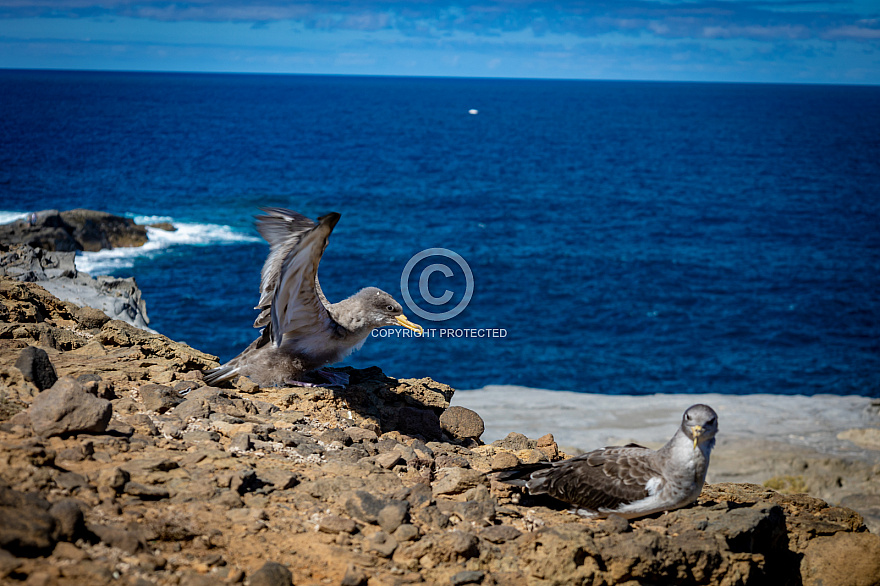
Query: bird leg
[299, 383]
[334, 379]
[339, 379]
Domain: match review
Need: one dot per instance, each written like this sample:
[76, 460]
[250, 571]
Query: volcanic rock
[36, 367]
[461, 423]
[67, 409]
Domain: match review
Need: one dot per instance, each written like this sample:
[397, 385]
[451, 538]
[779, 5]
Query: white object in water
[472, 111]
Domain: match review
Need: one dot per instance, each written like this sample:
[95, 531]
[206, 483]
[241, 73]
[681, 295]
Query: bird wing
[601, 479]
[282, 229]
[297, 305]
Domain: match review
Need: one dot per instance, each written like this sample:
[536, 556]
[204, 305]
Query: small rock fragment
[354, 576]
[359, 434]
[381, 543]
[388, 460]
[406, 532]
[504, 460]
[241, 442]
[467, 577]
[615, 524]
[335, 524]
[500, 533]
[457, 480]
[514, 441]
[392, 515]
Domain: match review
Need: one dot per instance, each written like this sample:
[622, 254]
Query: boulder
[462, 423]
[67, 409]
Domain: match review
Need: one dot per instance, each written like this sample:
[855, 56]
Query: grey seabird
[630, 481]
[302, 330]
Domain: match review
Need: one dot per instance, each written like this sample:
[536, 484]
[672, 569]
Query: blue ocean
[612, 237]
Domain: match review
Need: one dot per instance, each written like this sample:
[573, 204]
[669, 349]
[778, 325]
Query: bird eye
[389, 308]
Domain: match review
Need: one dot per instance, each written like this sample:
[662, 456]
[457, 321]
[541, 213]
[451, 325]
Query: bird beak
[697, 430]
[401, 319]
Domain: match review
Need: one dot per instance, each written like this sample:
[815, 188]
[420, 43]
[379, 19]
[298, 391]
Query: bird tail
[220, 374]
[522, 476]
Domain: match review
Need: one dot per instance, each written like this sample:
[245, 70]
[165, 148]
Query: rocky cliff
[119, 465]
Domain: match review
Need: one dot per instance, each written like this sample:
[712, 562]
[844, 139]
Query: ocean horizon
[621, 237]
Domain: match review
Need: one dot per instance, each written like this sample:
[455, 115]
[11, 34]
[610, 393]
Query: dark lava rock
[271, 574]
[392, 515]
[36, 367]
[67, 409]
[192, 407]
[515, 441]
[241, 442]
[26, 526]
[335, 435]
[290, 439]
[462, 423]
[419, 422]
[159, 398]
[365, 507]
[69, 518]
[114, 536]
[359, 434]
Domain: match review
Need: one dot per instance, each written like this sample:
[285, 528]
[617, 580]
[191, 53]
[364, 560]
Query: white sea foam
[150, 219]
[159, 242]
[6, 216]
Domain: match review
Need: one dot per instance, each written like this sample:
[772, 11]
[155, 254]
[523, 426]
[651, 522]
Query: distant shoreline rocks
[79, 229]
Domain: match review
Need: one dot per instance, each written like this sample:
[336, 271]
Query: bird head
[699, 423]
[383, 310]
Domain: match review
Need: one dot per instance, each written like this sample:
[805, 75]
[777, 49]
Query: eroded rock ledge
[191, 484]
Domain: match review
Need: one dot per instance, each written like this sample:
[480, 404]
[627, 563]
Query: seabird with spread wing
[302, 330]
[630, 481]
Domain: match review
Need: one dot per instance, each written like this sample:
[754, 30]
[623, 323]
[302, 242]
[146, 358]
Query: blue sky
[773, 41]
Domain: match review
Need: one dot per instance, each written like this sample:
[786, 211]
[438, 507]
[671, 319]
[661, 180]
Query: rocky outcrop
[191, 484]
[74, 230]
[103, 297]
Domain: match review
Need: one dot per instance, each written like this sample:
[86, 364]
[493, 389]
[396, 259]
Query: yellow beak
[698, 431]
[401, 319]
